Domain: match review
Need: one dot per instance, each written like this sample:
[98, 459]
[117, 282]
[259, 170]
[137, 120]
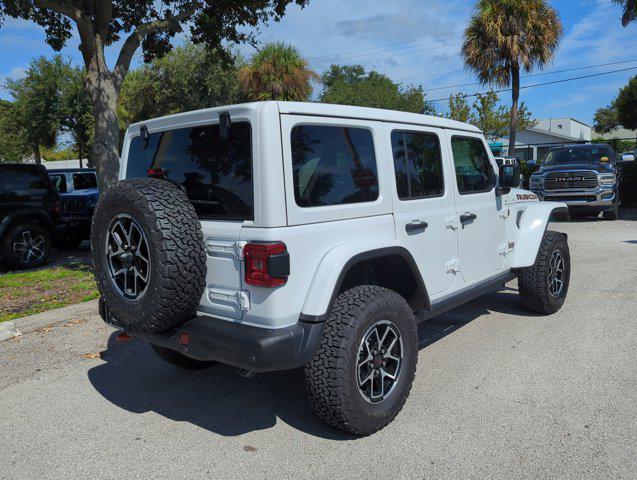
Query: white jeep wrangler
[276, 235]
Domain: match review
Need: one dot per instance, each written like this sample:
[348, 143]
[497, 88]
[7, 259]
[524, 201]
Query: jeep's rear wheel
[26, 245]
[179, 360]
[149, 255]
[543, 287]
[361, 374]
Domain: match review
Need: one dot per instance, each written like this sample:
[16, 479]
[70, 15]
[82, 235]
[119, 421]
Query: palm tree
[277, 72]
[630, 10]
[506, 36]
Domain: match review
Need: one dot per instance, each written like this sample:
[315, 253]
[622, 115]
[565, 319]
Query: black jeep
[29, 214]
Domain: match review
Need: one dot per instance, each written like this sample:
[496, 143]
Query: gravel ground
[499, 394]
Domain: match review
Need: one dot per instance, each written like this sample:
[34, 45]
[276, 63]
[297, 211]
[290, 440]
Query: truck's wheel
[179, 360]
[362, 372]
[148, 254]
[543, 287]
[26, 245]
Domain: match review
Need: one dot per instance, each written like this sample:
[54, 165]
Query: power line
[354, 58]
[522, 87]
[570, 51]
[534, 75]
[352, 53]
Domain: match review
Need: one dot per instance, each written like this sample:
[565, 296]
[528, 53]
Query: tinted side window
[333, 165]
[216, 172]
[22, 183]
[473, 168]
[59, 182]
[82, 181]
[417, 164]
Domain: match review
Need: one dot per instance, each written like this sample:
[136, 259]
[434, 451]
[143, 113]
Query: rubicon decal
[527, 196]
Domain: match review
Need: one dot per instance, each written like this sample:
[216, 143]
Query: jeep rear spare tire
[149, 255]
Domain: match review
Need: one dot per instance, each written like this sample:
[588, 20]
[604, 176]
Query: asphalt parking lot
[499, 394]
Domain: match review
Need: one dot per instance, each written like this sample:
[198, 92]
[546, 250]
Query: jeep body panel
[335, 264]
[533, 223]
[450, 257]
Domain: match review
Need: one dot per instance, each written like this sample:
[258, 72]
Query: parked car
[29, 215]
[584, 176]
[79, 193]
[507, 161]
[276, 235]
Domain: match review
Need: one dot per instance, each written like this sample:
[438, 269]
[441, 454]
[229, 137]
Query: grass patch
[35, 291]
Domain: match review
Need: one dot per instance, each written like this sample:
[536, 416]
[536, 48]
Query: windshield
[579, 154]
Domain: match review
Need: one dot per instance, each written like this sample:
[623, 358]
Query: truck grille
[560, 180]
[74, 206]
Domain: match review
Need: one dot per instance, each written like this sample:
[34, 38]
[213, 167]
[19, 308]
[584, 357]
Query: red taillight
[156, 172]
[266, 264]
[57, 207]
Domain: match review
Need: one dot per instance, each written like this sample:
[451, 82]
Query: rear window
[333, 165]
[23, 182]
[216, 172]
[82, 181]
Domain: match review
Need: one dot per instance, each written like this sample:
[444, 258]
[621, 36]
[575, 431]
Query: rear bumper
[242, 346]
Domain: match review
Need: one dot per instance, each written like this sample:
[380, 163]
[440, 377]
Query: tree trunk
[37, 156]
[102, 88]
[515, 96]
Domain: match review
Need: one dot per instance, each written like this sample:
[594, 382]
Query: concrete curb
[20, 326]
[8, 331]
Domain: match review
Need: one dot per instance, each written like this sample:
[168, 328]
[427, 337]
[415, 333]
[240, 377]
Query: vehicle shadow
[135, 379]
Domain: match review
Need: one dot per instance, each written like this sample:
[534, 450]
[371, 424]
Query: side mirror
[532, 162]
[508, 178]
[627, 157]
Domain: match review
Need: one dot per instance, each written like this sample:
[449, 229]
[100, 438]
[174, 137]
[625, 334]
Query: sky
[416, 42]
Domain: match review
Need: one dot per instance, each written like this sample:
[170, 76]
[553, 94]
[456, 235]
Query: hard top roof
[323, 110]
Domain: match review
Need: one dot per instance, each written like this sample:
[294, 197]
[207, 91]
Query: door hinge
[505, 213]
[506, 248]
[243, 299]
[225, 248]
[453, 266]
[452, 222]
[238, 299]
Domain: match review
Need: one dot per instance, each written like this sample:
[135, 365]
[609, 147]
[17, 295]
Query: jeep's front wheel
[362, 371]
[543, 286]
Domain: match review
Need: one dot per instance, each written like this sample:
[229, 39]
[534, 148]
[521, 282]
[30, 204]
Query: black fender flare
[12, 217]
[423, 304]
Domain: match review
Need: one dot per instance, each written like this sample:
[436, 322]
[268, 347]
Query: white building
[535, 143]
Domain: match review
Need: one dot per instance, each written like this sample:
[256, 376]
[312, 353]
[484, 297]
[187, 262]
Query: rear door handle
[467, 218]
[416, 226]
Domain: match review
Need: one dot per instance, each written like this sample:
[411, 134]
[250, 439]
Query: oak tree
[151, 24]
